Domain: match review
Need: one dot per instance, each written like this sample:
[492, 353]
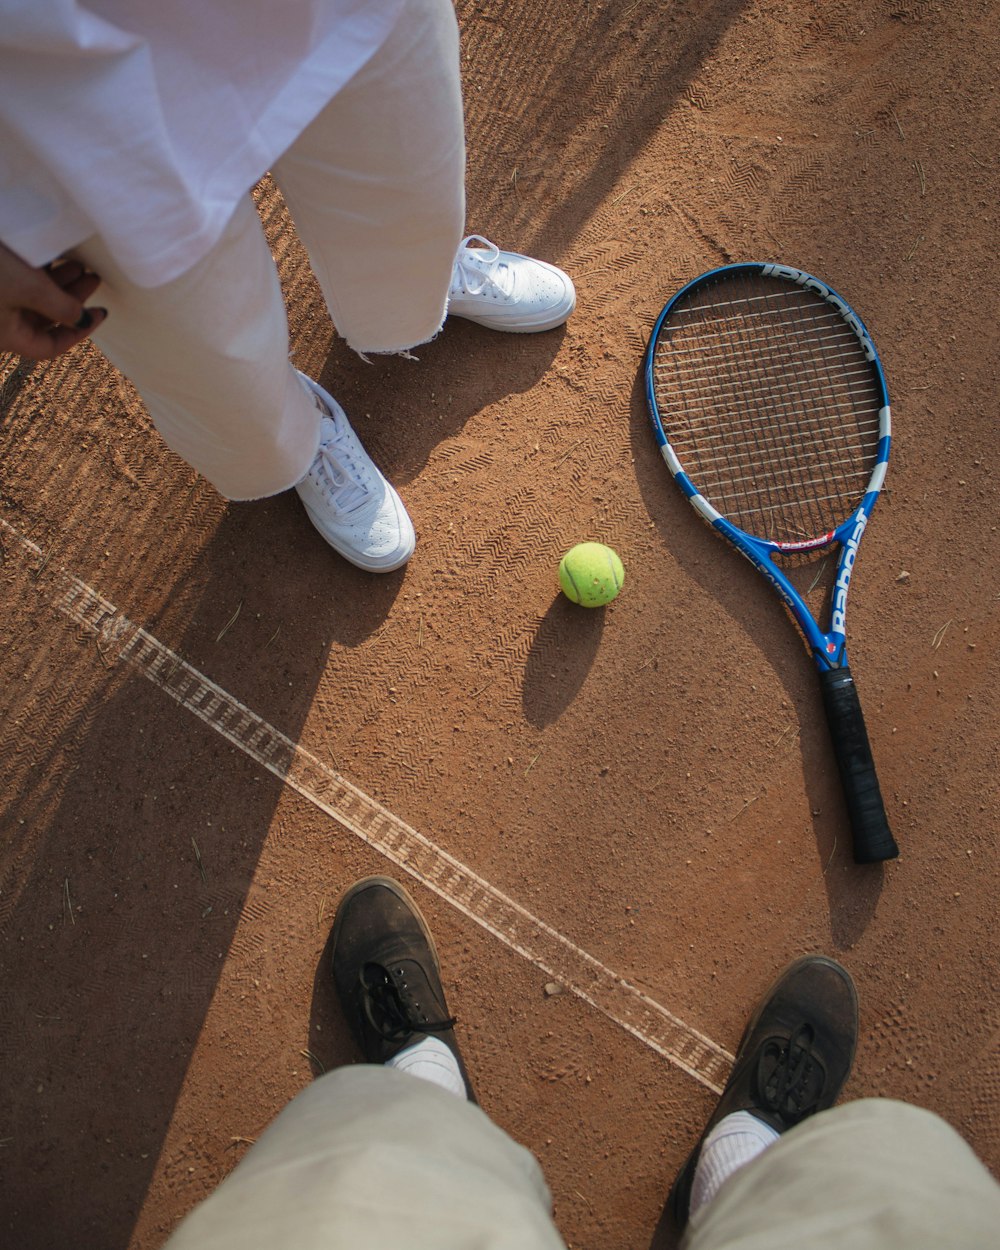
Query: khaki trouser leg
[870, 1175]
[367, 1158]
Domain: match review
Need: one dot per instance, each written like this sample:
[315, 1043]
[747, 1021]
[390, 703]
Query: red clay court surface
[635, 806]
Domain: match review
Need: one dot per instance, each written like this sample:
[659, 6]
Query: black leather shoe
[793, 1060]
[386, 973]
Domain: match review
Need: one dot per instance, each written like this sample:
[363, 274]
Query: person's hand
[41, 310]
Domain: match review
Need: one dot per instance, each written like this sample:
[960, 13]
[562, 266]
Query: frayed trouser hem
[406, 353]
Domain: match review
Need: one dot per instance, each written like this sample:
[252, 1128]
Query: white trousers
[375, 186]
[367, 1159]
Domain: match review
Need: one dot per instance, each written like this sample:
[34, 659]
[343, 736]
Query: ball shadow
[561, 655]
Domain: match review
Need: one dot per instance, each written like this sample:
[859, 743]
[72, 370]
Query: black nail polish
[85, 322]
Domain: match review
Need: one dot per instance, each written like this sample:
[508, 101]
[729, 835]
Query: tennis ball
[591, 574]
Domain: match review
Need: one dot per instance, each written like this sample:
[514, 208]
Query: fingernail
[91, 319]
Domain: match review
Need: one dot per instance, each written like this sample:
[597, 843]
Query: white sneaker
[348, 500]
[507, 291]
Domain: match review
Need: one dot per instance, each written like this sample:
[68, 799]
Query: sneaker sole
[551, 322]
[352, 556]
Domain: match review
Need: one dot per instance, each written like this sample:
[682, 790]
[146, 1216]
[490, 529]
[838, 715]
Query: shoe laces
[391, 1006]
[790, 1075]
[337, 468]
[480, 268]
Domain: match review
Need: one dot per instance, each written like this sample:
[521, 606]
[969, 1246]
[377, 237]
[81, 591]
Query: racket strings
[770, 405]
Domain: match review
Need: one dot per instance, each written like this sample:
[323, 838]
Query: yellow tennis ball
[591, 574]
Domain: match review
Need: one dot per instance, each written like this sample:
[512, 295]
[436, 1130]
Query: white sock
[431, 1060]
[733, 1142]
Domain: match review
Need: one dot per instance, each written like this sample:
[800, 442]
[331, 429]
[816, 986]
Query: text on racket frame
[810, 283]
[838, 616]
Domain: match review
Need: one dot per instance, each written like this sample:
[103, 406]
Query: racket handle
[873, 841]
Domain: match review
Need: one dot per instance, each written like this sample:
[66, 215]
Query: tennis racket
[770, 407]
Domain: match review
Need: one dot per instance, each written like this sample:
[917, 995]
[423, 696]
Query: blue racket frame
[829, 648]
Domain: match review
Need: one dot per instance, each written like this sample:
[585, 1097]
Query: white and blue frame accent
[828, 647]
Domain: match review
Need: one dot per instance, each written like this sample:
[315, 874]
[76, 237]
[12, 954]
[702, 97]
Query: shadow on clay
[562, 652]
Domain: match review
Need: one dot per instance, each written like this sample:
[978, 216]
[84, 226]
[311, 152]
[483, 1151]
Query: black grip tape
[873, 841]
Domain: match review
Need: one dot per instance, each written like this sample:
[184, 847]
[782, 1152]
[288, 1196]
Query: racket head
[769, 403]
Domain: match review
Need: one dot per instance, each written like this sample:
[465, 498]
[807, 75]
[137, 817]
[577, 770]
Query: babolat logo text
[839, 614]
[813, 284]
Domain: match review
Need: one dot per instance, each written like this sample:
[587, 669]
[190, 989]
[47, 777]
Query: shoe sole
[550, 323]
[350, 555]
[681, 1188]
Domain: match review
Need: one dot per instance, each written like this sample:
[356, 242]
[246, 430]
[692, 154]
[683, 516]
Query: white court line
[548, 950]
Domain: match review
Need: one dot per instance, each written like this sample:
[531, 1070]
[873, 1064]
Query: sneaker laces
[337, 468]
[790, 1075]
[478, 268]
[393, 1016]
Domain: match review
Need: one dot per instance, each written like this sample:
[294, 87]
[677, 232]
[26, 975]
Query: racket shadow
[559, 659]
[852, 890]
